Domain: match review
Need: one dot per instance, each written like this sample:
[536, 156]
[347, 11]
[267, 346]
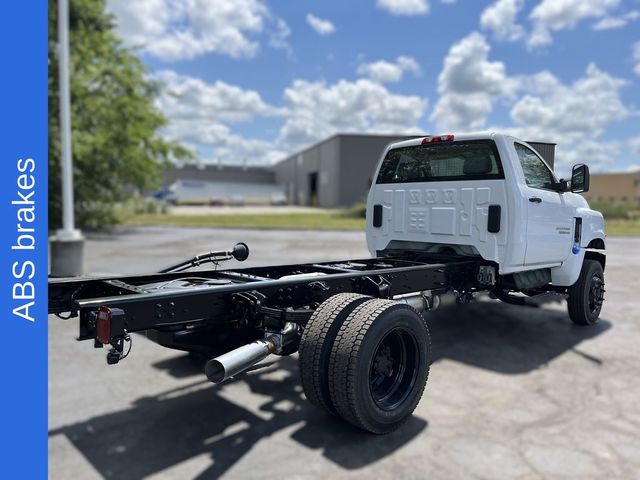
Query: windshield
[465, 160]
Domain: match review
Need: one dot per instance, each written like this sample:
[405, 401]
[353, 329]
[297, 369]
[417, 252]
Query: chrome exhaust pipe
[237, 361]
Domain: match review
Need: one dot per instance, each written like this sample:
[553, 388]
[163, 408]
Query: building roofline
[342, 134]
[377, 135]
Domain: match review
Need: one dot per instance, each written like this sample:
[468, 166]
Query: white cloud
[611, 22]
[575, 116]
[500, 18]
[634, 145]
[189, 97]
[573, 112]
[561, 14]
[541, 106]
[405, 7]
[636, 57]
[554, 15]
[599, 155]
[183, 29]
[540, 36]
[279, 34]
[321, 27]
[203, 114]
[199, 114]
[315, 110]
[389, 72]
[469, 84]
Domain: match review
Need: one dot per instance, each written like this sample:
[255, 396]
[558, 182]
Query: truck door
[549, 218]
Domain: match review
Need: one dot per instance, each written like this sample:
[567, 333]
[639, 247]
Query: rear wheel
[316, 342]
[587, 294]
[379, 365]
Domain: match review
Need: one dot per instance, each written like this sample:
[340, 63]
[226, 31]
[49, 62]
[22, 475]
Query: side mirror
[580, 178]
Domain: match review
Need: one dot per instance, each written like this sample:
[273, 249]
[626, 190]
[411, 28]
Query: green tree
[115, 142]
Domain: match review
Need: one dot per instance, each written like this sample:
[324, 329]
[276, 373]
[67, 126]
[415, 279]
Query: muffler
[237, 361]
[426, 300]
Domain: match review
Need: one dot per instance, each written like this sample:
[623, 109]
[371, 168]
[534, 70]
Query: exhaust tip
[215, 372]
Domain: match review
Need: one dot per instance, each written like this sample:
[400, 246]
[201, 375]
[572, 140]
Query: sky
[256, 80]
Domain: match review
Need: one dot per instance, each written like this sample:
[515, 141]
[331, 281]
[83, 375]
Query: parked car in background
[278, 198]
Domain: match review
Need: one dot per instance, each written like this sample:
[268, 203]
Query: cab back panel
[455, 213]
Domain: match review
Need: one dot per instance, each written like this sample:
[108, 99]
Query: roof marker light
[437, 138]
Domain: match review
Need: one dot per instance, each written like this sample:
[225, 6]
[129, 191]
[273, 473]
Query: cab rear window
[438, 162]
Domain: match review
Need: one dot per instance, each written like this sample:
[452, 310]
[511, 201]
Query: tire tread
[316, 342]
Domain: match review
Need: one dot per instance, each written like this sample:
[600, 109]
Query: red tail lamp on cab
[437, 138]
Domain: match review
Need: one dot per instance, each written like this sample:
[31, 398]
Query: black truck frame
[351, 321]
[186, 310]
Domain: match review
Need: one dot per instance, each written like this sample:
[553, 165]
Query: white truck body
[536, 224]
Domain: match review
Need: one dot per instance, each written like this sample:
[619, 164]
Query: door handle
[535, 199]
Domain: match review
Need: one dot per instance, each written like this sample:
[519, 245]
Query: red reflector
[437, 138]
[103, 325]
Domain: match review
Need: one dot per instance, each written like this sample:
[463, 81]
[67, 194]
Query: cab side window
[536, 172]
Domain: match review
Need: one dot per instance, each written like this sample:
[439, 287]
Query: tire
[315, 346]
[587, 294]
[379, 365]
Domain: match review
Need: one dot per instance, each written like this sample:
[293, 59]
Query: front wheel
[587, 294]
[379, 365]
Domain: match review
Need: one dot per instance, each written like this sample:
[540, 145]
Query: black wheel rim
[394, 369]
[596, 294]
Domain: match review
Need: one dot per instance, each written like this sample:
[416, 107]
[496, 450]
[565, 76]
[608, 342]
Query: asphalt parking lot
[514, 392]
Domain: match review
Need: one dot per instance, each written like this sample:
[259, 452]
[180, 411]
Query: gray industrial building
[219, 173]
[336, 172]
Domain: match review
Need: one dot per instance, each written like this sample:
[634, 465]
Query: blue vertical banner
[23, 238]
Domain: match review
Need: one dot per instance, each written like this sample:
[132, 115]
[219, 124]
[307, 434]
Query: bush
[149, 206]
[612, 211]
[357, 210]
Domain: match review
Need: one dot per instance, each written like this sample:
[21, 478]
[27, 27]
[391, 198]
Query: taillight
[437, 138]
[103, 325]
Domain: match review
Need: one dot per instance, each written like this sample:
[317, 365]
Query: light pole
[67, 247]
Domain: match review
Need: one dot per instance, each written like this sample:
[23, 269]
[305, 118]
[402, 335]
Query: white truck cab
[489, 195]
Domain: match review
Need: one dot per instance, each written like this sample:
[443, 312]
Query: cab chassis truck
[447, 217]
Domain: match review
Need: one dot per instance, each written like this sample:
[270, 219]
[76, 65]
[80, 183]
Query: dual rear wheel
[365, 360]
